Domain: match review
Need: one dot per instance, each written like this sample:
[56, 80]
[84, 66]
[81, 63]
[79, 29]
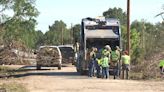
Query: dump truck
[97, 32]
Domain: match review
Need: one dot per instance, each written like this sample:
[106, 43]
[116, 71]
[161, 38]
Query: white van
[49, 56]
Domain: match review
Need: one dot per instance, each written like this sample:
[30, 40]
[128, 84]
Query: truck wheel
[38, 67]
[83, 72]
[77, 70]
[59, 67]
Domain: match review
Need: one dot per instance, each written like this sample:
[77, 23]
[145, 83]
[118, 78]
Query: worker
[125, 63]
[115, 58]
[119, 52]
[76, 47]
[161, 66]
[105, 66]
[76, 52]
[92, 59]
[107, 50]
[98, 64]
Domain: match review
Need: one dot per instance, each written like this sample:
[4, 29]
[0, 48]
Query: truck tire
[38, 67]
[59, 67]
[77, 70]
[83, 72]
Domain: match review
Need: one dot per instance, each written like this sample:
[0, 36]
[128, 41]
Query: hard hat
[108, 47]
[118, 48]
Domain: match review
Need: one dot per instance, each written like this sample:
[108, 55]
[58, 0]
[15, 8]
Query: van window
[67, 52]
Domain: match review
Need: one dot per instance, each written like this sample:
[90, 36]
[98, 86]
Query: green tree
[135, 45]
[117, 13]
[39, 38]
[21, 25]
[76, 32]
[57, 34]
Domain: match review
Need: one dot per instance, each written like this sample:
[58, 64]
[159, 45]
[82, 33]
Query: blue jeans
[97, 67]
[116, 71]
[105, 72]
[91, 68]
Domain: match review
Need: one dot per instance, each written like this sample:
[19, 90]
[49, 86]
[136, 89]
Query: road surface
[67, 80]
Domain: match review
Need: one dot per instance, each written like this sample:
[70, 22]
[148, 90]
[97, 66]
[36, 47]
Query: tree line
[18, 30]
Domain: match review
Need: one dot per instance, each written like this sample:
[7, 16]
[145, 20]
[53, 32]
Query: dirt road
[67, 80]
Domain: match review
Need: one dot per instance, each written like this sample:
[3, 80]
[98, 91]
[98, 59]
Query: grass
[12, 87]
[6, 71]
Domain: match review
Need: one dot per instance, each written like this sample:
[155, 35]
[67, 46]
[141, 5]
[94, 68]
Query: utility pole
[128, 30]
[143, 29]
[61, 36]
[72, 34]
[128, 26]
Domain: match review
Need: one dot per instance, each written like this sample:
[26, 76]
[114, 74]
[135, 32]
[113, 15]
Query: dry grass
[12, 87]
[147, 69]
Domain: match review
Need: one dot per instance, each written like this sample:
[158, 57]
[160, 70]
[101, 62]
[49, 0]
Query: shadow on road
[45, 71]
[25, 71]
[47, 74]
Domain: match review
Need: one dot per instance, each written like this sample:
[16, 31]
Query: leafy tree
[135, 44]
[58, 26]
[39, 38]
[57, 34]
[76, 32]
[117, 13]
[21, 25]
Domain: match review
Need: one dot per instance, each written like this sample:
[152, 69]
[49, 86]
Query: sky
[72, 11]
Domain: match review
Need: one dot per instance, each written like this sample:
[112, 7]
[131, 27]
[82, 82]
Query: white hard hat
[107, 47]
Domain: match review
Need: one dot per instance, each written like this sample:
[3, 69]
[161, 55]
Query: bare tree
[161, 14]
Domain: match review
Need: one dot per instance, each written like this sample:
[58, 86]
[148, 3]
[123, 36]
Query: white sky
[72, 11]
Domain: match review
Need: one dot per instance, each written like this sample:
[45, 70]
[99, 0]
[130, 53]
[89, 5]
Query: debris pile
[148, 68]
[48, 52]
[12, 56]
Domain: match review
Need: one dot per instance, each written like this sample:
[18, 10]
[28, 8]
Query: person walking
[125, 64]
